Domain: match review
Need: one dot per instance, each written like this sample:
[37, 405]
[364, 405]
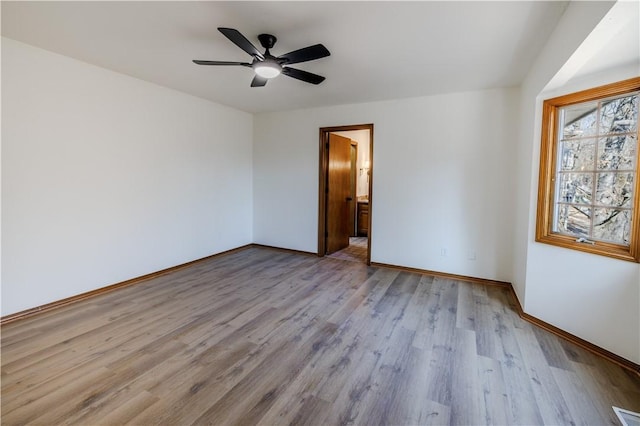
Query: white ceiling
[379, 50]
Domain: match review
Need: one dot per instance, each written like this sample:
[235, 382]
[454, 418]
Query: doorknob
[349, 199]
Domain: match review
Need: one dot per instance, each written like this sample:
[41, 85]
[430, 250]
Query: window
[588, 191]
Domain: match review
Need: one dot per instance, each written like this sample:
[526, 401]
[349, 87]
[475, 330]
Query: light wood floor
[356, 251]
[268, 337]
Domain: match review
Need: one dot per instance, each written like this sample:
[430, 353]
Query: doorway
[344, 193]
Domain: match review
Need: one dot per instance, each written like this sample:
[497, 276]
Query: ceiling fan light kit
[267, 66]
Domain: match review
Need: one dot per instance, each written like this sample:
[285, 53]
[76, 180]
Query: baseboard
[594, 349]
[306, 253]
[93, 293]
[444, 275]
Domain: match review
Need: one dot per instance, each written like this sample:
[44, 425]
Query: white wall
[106, 177]
[442, 173]
[590, 296]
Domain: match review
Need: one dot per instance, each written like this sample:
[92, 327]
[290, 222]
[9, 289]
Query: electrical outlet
[443, 252]
[471, 255]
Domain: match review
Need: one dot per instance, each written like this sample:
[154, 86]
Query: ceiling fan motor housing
[267, 40]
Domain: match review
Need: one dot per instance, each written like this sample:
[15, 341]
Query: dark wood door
[338, 193]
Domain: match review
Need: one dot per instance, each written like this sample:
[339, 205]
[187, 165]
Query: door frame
[353, 183]
[324, 176]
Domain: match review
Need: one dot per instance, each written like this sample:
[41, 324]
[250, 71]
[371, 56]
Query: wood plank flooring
[355, 252]
[268, 337]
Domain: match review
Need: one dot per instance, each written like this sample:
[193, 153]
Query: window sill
[597, 247]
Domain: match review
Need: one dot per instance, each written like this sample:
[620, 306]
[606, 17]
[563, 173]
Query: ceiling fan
[267, 66]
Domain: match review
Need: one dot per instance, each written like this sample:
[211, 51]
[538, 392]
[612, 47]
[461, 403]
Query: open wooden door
[338, 193]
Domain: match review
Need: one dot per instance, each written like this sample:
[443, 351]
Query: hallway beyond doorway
[355, 252]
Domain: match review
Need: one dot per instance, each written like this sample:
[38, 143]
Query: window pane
[614, 189]
[574, 220]
[580, 120]
[617, 152]
[619, 115]
[578, 155]
[612, 225]
[575, 188]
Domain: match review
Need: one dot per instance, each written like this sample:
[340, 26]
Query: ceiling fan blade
[258, 81]
[303, 75]
[310, 53]
[241, 41]
[199, 62]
